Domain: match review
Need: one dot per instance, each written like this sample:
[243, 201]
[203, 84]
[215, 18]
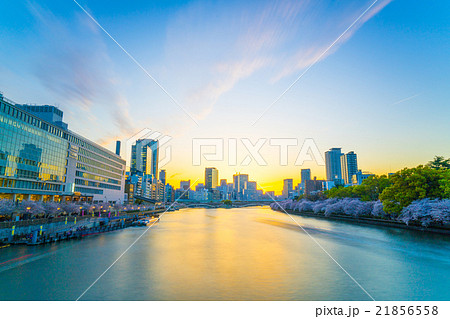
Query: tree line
[401, 189]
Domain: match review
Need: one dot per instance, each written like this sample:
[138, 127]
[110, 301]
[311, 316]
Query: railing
[71, 219]
[6, 99]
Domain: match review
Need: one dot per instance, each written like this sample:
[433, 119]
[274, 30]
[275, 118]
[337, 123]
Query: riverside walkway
[46, 230]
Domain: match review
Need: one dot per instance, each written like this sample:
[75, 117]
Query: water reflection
[236, 254]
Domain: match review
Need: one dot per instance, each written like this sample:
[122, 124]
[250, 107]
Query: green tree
[411, 184]
[372, 187]
[369, 190]
[439, 162]
[445, 183]
[227, 202]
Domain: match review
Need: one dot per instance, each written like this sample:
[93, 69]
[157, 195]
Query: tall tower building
[333, 165]
[211, 178]
[144, 157]
[239, 181]
[305, 175]
[349, 166]
[287, 187]
[185, 185]
[162, 176]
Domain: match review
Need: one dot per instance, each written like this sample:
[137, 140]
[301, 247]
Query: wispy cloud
[228, 74]
[279, 38]
[312, 52]
[74, 64]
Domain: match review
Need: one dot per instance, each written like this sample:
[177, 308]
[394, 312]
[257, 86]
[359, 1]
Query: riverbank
[43, 231]
[372, 221]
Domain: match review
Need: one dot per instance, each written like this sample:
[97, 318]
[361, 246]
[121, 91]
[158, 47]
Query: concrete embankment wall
[24, 230]
[61, 224]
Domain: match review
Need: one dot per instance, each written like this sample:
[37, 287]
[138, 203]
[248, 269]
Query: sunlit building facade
[211, 178]
[40, 159]
[288, 187]
[144, 157]
[349, 166]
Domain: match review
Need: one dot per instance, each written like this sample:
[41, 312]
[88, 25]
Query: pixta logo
[213, 149]
[164, 150]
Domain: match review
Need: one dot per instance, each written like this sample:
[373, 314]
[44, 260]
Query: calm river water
[234, 254]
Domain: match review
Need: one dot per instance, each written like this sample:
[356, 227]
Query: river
[234, 254]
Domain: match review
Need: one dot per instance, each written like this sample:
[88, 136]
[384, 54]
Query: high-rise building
[169, 194]
[349, 166]
[333, 165]
[40, 159]
[185, 185]
[239, 181]
[162, 176]
[288, 187]
[313, 186]
[223, 188]
[211, 178]
[270, 194]
[250, 191]
[144, 157]
[305, 174]
[199, 187]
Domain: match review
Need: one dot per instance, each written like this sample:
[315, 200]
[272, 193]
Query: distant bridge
[221, 205]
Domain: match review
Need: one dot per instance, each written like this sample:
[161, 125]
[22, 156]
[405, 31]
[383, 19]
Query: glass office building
[40, 159]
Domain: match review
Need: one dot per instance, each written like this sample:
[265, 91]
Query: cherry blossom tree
[34, 208]
[7, 208]
[51, 209]
[426, 212]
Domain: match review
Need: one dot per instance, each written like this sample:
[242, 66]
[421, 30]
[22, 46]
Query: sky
[209, 69]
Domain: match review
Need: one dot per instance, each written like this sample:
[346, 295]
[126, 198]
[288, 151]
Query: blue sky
[382, 90]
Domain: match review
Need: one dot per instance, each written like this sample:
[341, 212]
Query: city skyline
[106, 97]
[340, 168]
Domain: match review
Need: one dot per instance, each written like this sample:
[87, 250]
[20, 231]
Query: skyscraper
[185, 185]
[162, 176]
[144, 157]
[349, 166]
[333, 165]
[287, 187]
[211, 178]
[239, 181]
[305, 175]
